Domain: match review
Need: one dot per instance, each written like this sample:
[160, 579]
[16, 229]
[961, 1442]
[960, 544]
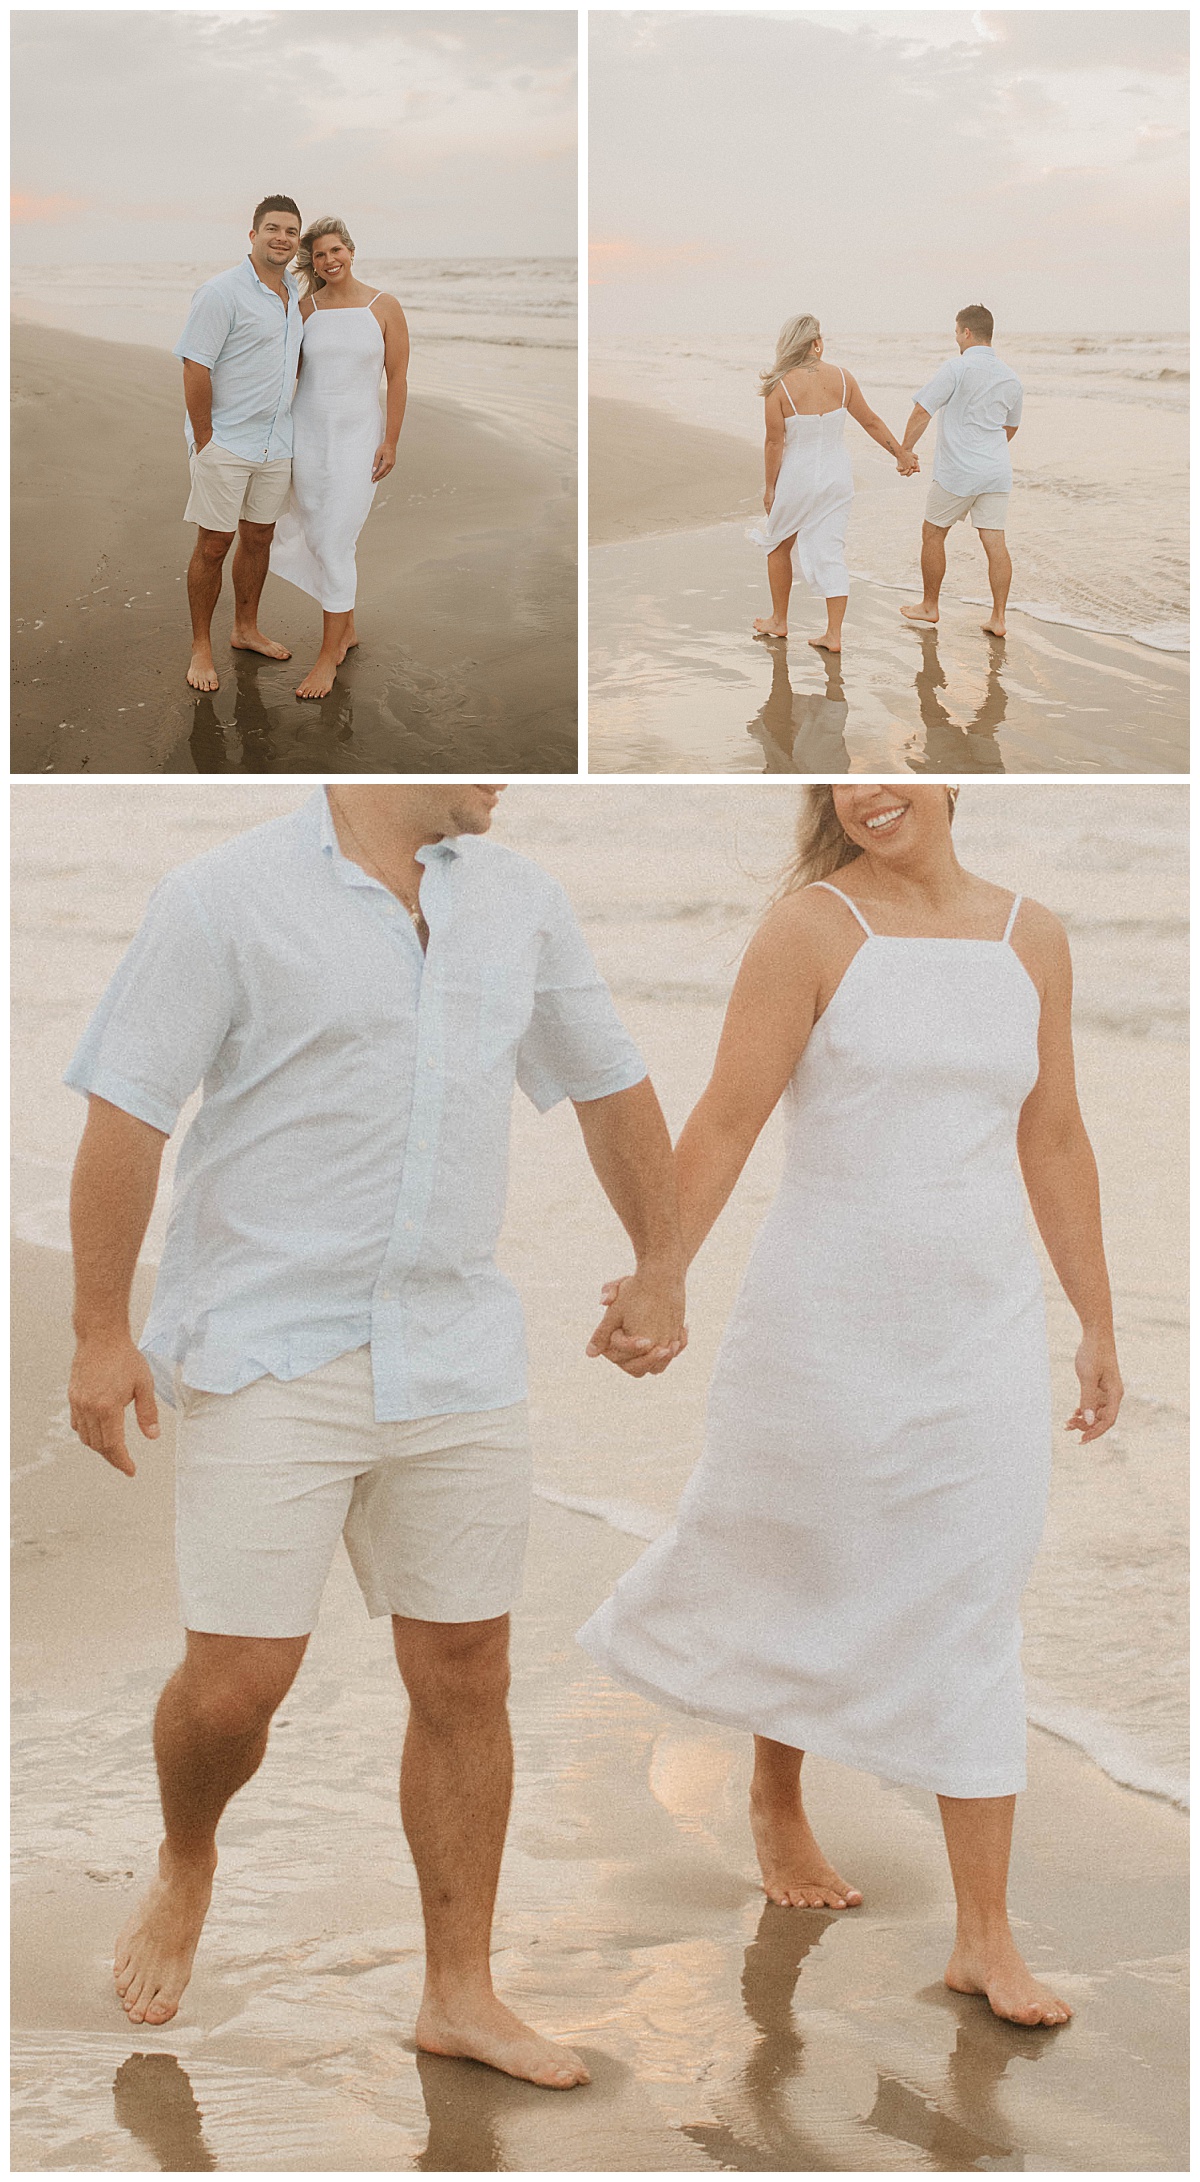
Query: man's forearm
[112, 1196]
[630, 1151]
[197, 394]
[915, 426]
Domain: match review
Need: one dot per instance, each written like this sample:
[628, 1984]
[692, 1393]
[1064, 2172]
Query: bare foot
[770, 627]
[485, 2030]
[252, 640]
[1000, 1974]
[994, 627]
[921, 613]
[794, 1872]
[826, 643]
[320, 677]
[152, 1960]
[201, 673]
[349, 644]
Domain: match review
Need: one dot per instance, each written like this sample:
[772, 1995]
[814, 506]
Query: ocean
[1099, 515]
[668, 882]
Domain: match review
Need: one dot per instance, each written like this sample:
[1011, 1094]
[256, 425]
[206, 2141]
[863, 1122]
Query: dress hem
[820, 1745]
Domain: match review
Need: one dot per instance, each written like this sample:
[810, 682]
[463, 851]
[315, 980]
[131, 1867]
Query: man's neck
[379, 834]
[271, 276]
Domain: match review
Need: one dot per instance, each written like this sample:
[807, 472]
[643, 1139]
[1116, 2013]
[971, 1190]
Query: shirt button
[408, 1227]
[422, 1145]
[431, 1064]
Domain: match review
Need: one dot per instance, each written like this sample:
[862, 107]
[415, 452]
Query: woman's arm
[1060, 1175]
[876, 429]
[776, 419]
[768, 1022]
[395, 365]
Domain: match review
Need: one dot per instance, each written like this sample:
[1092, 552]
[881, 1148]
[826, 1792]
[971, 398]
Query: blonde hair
[821, 846]
[309, 281]
[794, 347]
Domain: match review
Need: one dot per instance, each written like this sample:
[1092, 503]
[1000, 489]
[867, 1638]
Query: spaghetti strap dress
[845, 1570]
[813, 495]
[337, 424]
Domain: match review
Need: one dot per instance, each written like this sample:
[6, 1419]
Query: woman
[341, 448]
[810, 484]
[846, 1567]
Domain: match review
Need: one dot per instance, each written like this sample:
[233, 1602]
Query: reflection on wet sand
[154, 2100]
[774, 1960]
[804, 731]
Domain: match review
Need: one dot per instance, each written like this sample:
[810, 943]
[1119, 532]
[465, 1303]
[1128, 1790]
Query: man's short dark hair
[978, 320]
[275, 204]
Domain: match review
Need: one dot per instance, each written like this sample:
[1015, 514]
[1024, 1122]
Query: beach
[466, 597]
[721, 2033]
[678, 684]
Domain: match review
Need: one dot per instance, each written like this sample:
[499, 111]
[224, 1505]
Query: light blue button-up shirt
[344, 1178]
[251, 344]
[975, 396]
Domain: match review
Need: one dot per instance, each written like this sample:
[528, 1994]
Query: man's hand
[108, 1373]
[202, 441]
[907, 464]
[642, 1329]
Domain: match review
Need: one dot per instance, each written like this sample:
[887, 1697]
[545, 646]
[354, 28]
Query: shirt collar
[352, 874]
[289, 281]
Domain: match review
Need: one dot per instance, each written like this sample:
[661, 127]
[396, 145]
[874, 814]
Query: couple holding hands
[810, 483]
[286, 433]
[359, 987]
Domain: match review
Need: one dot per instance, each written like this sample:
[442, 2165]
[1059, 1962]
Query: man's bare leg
[779, 576]
[933, 571]
[204, 589]
[320, 677]
[210, 1732]
[999, 577]
[250, 565]
[455, 1789]
[985, 1960]
[835, 614]
[795, 1872]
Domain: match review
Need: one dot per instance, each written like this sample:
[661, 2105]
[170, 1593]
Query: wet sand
[678, 683]
[722, 2033]
[467, 592]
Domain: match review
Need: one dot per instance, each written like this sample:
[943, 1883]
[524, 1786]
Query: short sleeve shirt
[343, 1181]
[974, 396]
[239, 328]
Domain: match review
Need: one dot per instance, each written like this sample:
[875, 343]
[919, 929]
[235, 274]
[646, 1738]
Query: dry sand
[722, 2033]
[467, 592]
[677, 682]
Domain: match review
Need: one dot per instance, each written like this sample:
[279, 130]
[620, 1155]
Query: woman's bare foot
[485, 2030]
[994, 627]
[152, 1960]
[253, 640]
[770, 627]
[201, 673]
[826, 643]
[996, 1970]
[320, 677]
[795, 1873]
[921, 613]
[349, 643]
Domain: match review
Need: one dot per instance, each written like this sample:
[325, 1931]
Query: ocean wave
[1164, 636]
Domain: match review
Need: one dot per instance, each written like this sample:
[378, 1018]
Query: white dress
[337, 424]
[845, 1569]
[813, 495]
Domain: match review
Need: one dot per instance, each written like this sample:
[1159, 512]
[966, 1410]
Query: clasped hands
[907, 463]
[642, 1329]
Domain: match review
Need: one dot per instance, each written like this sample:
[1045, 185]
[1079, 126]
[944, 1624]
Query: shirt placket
[418, 1172]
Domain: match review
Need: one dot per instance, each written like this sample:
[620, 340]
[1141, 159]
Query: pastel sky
[882, 168]
[145, 135]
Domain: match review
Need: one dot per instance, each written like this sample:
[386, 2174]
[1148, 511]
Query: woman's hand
[654, 1307]
[1100, 1387]
[907, 463]
[385, 460]
[769, 498]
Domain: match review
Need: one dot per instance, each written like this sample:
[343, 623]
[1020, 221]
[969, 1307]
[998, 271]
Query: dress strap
[842, 404]
[853, 907]
[1012, 916]
[791, 403]
[374, 300]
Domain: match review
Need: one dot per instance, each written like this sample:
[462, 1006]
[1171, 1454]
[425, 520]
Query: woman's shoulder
[810, 914]
[308, 304]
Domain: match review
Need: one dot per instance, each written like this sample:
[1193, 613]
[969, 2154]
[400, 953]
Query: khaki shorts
[227, 490]
[987, 510]
[434, 1512]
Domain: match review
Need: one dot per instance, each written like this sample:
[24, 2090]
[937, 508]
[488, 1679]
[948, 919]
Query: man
[978, 400]
[357, 987]
[240, 350]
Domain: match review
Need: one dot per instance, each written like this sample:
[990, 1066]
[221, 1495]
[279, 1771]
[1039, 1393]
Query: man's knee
[257, 536]
[213, 545]
[232, 1686]
[454, 1666]
[992, 541]
[932, 531]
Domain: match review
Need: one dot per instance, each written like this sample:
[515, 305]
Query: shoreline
[466, 593]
